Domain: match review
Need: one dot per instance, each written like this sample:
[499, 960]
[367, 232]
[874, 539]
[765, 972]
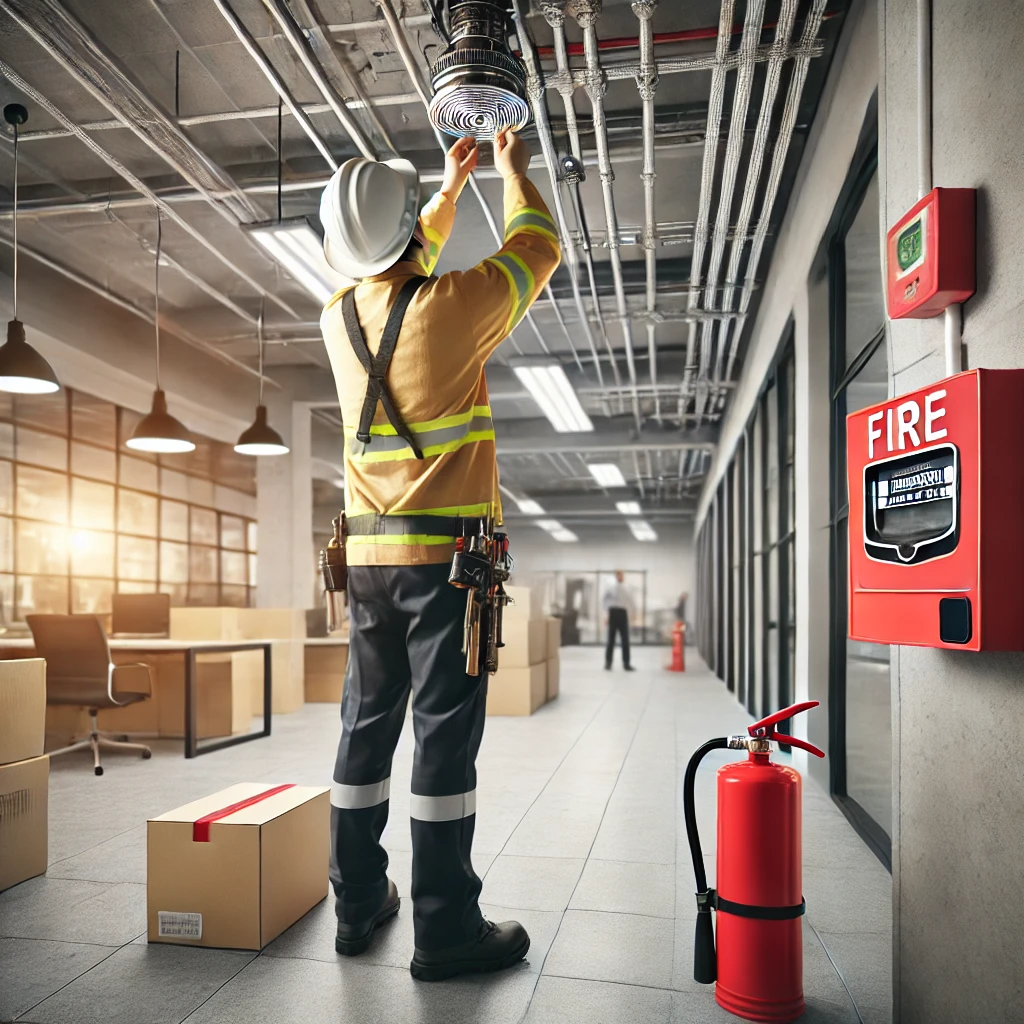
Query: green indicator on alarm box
[910, 246]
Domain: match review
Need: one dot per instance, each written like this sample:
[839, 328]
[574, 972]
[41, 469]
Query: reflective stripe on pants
[406, 635]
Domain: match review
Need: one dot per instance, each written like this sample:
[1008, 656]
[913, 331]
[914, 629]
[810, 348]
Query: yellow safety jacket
[436, 378]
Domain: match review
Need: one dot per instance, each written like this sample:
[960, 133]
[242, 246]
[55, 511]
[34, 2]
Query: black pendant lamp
[159, 431]
[261, 438]
[22, 369]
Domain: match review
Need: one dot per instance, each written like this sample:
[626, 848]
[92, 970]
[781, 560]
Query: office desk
[189, 649]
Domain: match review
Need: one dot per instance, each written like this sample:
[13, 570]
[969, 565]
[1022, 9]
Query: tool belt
[375, 525]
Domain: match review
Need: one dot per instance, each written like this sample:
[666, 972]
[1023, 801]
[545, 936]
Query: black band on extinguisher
[758, 913]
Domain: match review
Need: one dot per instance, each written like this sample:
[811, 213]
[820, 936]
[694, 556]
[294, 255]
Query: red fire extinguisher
[759, 963]
[678, 652]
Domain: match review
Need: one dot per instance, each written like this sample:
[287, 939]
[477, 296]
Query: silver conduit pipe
[785, 135]
[647, 85]
[586, 13]
[752, 28]
[707, 185]
[554, 14]
[138, 184]
[535, 88]
[245, 37]
[282, 15]
[783, 30]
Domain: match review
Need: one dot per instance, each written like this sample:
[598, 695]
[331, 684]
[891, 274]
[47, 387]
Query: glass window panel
[233, 568]
[92, 504]
[252, 570]
[41, 595]
[91, 597]
[88, 460]
[6, 488]
[93, 420]
[173, 520]
[202, 564]
[200, 491]
[869, 730]
[139, 474]
[250, 535]
[48, 411]
[136, 558]
[173, 562]
[6, 599]
[6, 436]
[136, 513]
[178, 592]
[206, 595]
[172, 484]
[92, 553]
[42, 548]
[41, 494]
[41, 449]
[232, 532]
[6, 544]
[203, 526]
[234, 597]
[134, 587]
[865, 306]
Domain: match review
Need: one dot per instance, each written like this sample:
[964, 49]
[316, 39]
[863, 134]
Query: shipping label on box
[237, 868]
[24, 789]
[22, 709]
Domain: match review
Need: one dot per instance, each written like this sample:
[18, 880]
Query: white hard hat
[369, 212]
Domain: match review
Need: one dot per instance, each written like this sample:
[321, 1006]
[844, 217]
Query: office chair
[140, 615]
[79, 673]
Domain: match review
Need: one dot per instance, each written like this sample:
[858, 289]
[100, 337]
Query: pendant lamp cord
[259, 337]
[156, 293]
[15, 221]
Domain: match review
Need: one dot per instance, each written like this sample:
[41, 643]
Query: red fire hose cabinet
[936, 528]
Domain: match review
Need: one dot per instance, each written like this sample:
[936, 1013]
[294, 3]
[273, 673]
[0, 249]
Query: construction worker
[408, 352]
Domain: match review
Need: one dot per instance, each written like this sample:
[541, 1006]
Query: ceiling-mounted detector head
[479, 84]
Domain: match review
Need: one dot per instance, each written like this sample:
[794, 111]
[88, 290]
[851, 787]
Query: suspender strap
[377, 366]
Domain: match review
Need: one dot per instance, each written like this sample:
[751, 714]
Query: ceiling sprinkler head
[573, 172]
[479, 84]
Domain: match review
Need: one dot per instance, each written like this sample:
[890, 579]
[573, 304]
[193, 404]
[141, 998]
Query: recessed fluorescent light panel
[551, 390]
[607, 474]
[641, 529]
[628, 508]
[297, 246]
[529, 507]
[557, 530]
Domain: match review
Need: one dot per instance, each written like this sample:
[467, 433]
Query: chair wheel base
[147, 754]
[98, 769]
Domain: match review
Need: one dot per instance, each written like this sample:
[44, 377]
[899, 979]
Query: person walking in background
[618, 606]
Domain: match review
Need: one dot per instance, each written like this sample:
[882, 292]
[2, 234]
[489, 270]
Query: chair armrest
[130, 683]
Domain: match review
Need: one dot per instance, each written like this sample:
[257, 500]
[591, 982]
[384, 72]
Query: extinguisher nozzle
[705, 964]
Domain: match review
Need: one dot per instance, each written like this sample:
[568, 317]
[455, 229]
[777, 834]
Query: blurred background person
[619, 607]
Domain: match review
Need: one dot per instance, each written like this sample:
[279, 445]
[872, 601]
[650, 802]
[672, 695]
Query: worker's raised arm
[437, 218]
[501, 289]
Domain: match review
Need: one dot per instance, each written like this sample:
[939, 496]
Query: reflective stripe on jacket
[436, 378]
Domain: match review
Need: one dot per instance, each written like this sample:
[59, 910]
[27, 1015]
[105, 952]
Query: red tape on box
[201, 826]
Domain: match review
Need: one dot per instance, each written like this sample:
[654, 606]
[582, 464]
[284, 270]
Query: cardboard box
[22, 709]
[517, 691]
[287, 670]
[24, 788]
[527, 602]
[554, 671]
[325, 672]
[554, 635]
[526, 642]
[237, 868]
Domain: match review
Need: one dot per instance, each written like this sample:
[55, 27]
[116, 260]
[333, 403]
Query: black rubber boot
[496, 947]
[353, 939]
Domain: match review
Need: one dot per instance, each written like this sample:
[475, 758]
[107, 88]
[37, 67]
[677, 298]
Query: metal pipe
[136, 183]
[952, 331]
[924, 97]
[247, 40]
[785, 135]
[554, 13]
[586, 15]
[755, 164]
[707, 184]
[647, 85]
[298, 43]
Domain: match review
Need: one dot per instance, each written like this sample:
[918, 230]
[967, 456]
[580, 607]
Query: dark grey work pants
[406, 634]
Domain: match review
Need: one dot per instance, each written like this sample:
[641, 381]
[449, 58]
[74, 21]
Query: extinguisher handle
[764, 727]
[793, 741]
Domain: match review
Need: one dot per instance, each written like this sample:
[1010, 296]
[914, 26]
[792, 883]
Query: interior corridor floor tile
[573, 1001]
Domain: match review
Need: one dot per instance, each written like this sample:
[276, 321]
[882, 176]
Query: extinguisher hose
[704, 961]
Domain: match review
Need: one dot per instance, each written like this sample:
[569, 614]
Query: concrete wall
[958, 834]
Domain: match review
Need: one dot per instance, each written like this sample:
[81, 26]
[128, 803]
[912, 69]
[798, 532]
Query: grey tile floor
[579, 836]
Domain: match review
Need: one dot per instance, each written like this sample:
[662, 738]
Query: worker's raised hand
[459, 164]
[511, 154]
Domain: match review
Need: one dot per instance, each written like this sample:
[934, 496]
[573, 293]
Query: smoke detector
[479, 84]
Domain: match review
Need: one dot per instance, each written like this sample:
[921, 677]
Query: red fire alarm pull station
[936, 485]
[930, 255]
